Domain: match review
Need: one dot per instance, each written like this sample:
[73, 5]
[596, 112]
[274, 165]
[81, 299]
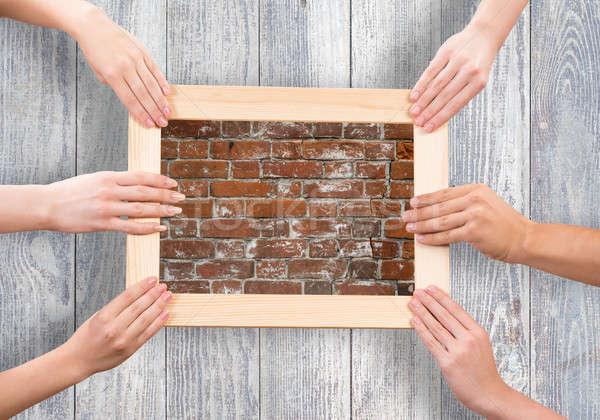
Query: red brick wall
[288, 208]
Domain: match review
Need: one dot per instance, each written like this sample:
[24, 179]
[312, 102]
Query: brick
[197, 149]
[240, 188]
[271, 269]
[164, 234]
[161, 270]
[228, 228]
[237, 269]
[191, 128]
[364, 288]
[235, 128]
[188, 286]
[405, 151]
[182, 248]
[398, 131]
[275, 208]
[283, 130]
[316, 269]
[229, 208]
[230, 249]
[280, 287]
[183, 228]
[168, 149]
[323, 248]
[333, 189]
[201, 208]
[295, 169]
[401, 190]
[164, 167]
[371, 169]
[288, 189]
[339, 170]
[354, 248]
[274, 227]
[408, 250]
[402, 170]
[386, 208]
[362, 269]
[286, 150]
[193, 188]
[176, 270]
[323, 208]
[361, 131]
[375, 189]
[332, 150]
[355, 208]
[395, 228]
[226, 287]
[199, 169]
[397, 270]
[384, 249]
[317, 288]
[243, 149]
[379, 150]
[366, 228]
[332, 130]
[405, 288]
[245, 169]
[277, 248]
[321, 227]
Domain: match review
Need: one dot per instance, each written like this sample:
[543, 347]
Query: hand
[119, 60]
[469, 213]
[457, 73]
[116, 331]
[462, 349]
[95, 202]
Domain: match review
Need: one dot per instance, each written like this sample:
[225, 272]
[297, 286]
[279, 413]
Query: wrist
[497, 404]
[47, 207]
[74, 366]
[485, 29]
[80, 18]
[526, 245]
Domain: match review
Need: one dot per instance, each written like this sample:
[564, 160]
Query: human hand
[457, 73]
[461, 348]
[119, 329]
[95, 202]
[469, 213]
[121, 61]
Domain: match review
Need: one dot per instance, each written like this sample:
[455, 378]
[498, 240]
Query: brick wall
[288, 208]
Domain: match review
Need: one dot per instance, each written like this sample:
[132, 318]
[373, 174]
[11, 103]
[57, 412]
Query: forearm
[27, 384]
[509, 404]
[567, 251]
[24, 207]
[495, 18]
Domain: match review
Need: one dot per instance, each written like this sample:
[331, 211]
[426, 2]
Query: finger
[137, 307]
[438, 224]
[135, 228]
[440, 333]
[149, 315]
[440, 313]
[452, 108]
[152, 86]
[143, 96]
[143, 210]
[434, 88]
[441, 196]
[132, 104]
[151, 64]
[436, 65]
[150, 194]
[436, 210]
[443, 238]
[144, 178]
[130, 295]
[156, 325]
[428, 339]
[453, 308]
[450, 91]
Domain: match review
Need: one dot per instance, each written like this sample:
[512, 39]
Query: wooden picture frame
[298, 105]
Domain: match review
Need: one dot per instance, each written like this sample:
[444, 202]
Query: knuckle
[110, 333]
[120, 346]
[137, 209]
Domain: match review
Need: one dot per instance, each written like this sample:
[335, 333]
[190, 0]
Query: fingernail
[149, 123]
[414, 303]
[166, 296]
[164, 315]
[167, 112]
[414, 202]
[151, 280]
[177, 196]
[431, 289]
[162, 122]
[160, 228]
[414, 95]
[170, 183]
[429, 127]
[415, 110]
[407, 216]
[410, 227]
[419, 121]
[419, 237]
[166, 89]
[160, 287]
[415, 321]
[174, 210]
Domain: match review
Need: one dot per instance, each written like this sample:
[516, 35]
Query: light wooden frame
[302, 105]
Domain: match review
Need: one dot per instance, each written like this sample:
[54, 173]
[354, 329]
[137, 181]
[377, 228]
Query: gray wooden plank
[565, 187]
[393, 375]
[304, 373]
[37, 128]
[490, 144]
[136, 388]
[213, 373]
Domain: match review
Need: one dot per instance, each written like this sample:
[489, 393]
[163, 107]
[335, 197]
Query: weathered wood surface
[37, 145]
[565, 187]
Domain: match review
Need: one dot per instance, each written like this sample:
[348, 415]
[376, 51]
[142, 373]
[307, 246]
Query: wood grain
[490, 144]
[213, 42]
[134, 389]
[392, 43]
[565, 188]
[37, 128]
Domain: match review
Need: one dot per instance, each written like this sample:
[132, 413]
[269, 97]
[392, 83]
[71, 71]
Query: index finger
[436, 65]
[144, 178]
[452, 307]
[130, 295]
[440, 196]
